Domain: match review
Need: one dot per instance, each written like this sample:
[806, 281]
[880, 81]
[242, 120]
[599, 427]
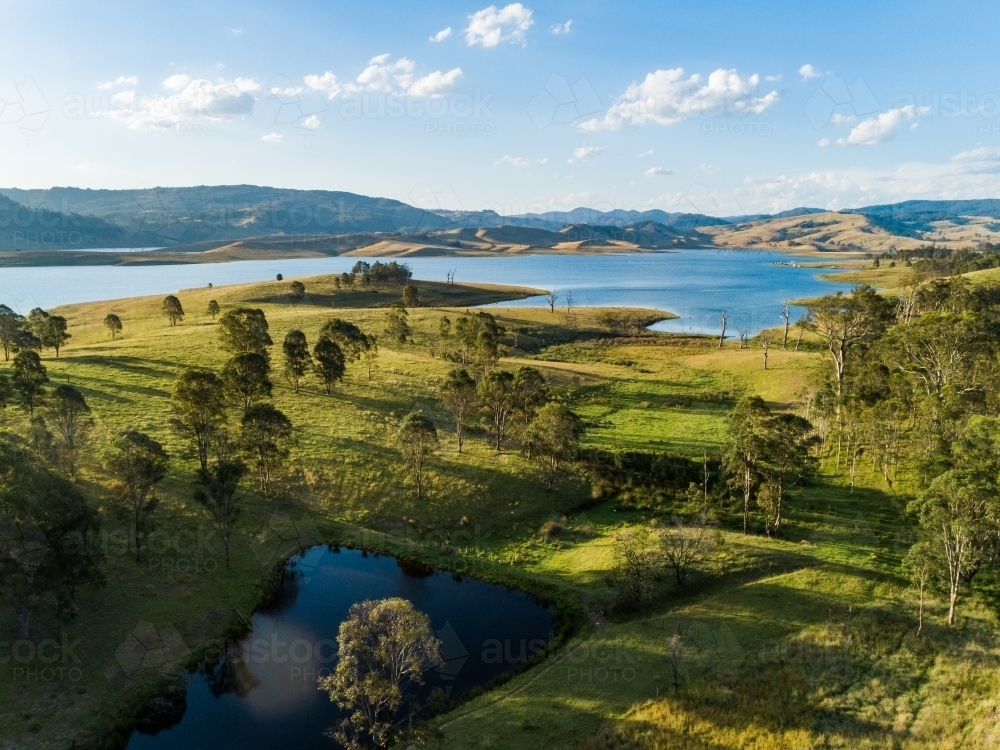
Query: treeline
[937, 261]
[913, 388]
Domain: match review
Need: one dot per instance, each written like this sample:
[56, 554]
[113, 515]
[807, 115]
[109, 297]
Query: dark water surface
[694, 284]
[265, 696]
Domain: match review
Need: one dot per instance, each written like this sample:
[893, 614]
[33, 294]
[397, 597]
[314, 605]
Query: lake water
[264, 695]
[694, 284]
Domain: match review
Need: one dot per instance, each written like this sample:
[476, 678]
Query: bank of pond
[261, 691]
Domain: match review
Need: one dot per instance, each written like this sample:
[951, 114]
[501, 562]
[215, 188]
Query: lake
[694, 284]
[264, 694]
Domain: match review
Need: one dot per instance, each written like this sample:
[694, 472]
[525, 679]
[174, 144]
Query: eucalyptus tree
[330, 363]
[297, 362]
[199, 398]
[244, 330]
[745, 449]
[114, 325]
[136, 463]
[246, 378]
[496, 397]
[266, 439]
[460, 398]
[417, 439]
[10, 324]
[217, 492]
[172, 308]
[29, 377]
[554, 436]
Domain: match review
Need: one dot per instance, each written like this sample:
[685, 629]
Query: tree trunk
[746, 499]
[952, 599]
[920, 608]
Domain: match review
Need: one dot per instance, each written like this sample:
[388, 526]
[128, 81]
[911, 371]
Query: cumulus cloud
[436, 83]
[882, 128]
[489, 27]
[807, 71]
[773, 78]
[118, 82]
[272, 137]
[562, 28]
[442, 35]
[517, 161]
[666, 97]
[325, 84]
[975, 172]
[644, 154]
[585, 152]
[312, 122]
[189, 98]
[658, 172]
[708, 168]
[386, 77]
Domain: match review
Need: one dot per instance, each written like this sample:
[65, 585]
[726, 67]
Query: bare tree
[785, 317]
[744, 337]
[722, 336]
[683, 546]
[906, 304]
[765, 343]
[552, 297]
[569, 302]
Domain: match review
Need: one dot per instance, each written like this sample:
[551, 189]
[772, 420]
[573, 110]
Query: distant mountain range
[208, 217]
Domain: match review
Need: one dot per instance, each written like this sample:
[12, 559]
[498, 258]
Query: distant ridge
[191, 218]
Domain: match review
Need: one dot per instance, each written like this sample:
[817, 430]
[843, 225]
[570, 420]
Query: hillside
[833, 231]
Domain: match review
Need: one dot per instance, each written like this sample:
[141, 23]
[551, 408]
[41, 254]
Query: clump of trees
[913, 377]
[766, 454]
[380, 274]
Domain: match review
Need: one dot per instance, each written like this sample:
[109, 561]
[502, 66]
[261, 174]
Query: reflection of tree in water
[162, 712]
[231, 674]
[284, 590]
[414, 569]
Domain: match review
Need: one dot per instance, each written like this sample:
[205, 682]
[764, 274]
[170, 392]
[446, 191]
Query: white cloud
[658, 172]
[190, 98]
[312, 122]
[839, 119]
[325, 84]
[562, 28]
[442, 35]
[808, 71]
[273, 137]
[823, 142]
[517, 161]
[385, 77]
[489, 27]
[236, 32]
[585, 152]
[176, 82]
[666, 97]
[436, 83]
[644, 154]
[773, 78]
[882, 128]
[708, 168]
[125, 97]
[119, 81]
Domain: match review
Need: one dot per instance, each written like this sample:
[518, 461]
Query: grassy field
[802, 642]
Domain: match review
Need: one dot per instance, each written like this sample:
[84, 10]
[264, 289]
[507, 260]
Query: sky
[721, 108]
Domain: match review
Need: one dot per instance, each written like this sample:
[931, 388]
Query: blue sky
[717, 107]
